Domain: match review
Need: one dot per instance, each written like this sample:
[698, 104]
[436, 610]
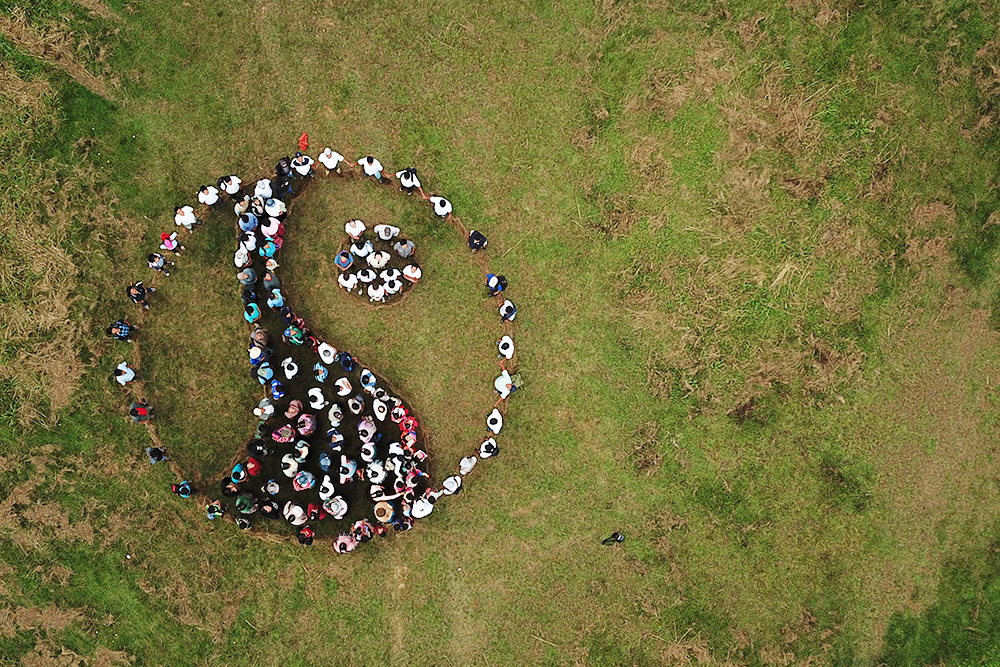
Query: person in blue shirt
[495, 284]
[251, 313]
[276, 300]
[184, 489]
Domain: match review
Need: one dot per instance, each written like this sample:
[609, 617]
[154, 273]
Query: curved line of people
[266, 203]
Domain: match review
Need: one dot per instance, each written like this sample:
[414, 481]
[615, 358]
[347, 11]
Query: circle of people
[264, 212]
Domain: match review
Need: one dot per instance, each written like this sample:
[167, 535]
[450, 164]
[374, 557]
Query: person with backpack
[495, 284]
[138, 293]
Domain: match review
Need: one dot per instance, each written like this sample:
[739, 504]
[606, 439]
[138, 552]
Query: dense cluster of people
[333, 440]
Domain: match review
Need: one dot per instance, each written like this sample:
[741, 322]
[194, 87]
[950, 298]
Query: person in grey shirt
[404, 247]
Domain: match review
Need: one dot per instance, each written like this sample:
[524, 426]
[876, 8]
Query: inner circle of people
[334, 445]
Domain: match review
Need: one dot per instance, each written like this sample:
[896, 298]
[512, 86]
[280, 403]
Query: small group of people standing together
[375, 439]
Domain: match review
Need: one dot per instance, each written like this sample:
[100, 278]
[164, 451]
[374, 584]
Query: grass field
[754, 251]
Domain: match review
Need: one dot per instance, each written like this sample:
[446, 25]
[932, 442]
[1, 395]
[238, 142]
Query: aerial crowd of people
[333, 439]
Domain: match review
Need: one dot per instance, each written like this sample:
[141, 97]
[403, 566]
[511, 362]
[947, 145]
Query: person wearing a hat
[275, 208]
[442, 207]
[231, 185]
[408, 181]
[494, 422]
[327, 353]
[184, 217]
[264, 373]
[404, 248]
[466, 465]
[303, 165]
[263, 188]
[336, 507]
[168, 241]
[259, 355]
[331, 159]
[507, 311]
[208, 195]
[247, 276]
[383, 511]
[477, 241]
[241, 258]
[386, 232]
[412, 273]
[184, 489]
[293, 335]
[488, 448]
[495, 284]
[451, 485]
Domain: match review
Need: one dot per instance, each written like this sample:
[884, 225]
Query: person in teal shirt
[251, 313]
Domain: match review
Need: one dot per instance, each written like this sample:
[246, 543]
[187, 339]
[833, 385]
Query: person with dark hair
[124, 373]
[138, 293]
[251, 312]
[229, 487]
[303, 165]
[248, 296]
[121, 330]
[616, 538]
[247, 277]
[247, 222]
[215, 510]
[184, 217]
[373, 168]
[404, 248]
[495, 284]
[508, 311]
[442, 207]
[231, 185]
[208, 196]
[140, 411]
[184, 489]
[158, 262]
[168, 241]
[157, 455]
[243, 523]
[269, 509]
[477, 241]
[305, 535]
[284, 168]
[408, 181]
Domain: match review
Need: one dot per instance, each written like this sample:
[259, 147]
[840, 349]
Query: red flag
[303, 141]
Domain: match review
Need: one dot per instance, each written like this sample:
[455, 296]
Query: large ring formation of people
[336, 451]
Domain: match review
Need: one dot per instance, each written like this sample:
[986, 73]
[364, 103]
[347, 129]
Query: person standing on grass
[404, 248]
[184, 217]
[121, 330]
[477, 241]
[408, 181]
[372, 167]
[442, 207]
[303, 165]
[616, 538]
[140, 411]
[331, 159]
[158, 262]
[508, 311]
[184, 489]
[495, 284]
[232, 186]
[124, 374]
[208, 195]
[168, 241]
[138, 293]
[157, 455]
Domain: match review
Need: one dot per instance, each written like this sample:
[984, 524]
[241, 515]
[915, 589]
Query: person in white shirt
[303, 165]
[331, 159]
[208, 195]
[184, 216]
[231, 185]
[372, 168]
[263, 189]
[408, 181]
[367, 276]
[466, 465]
[386, 232]
[404, 248]
[422, 507]
[488, 448]
[503, 384]
[494, 422]
[376, 292]
[506, 347]
[124, 374]
[362, 248]
[452, 485]
[378, 260]
[348, 281]
[275, 208]
[412, 272]
[393, 287]
[442, 207]
[354, 229]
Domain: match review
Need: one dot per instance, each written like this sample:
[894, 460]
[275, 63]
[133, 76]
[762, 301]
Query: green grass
[694, 208]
